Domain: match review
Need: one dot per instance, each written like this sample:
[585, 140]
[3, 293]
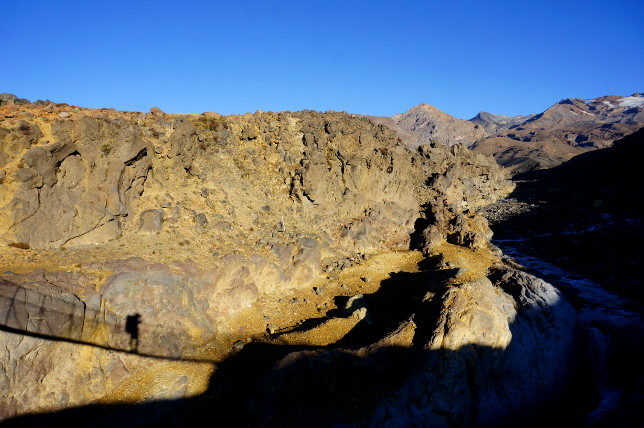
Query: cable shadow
[277, 385]
[104, 347]
[29, 312]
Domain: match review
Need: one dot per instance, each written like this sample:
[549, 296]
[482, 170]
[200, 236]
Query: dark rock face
[579, 214]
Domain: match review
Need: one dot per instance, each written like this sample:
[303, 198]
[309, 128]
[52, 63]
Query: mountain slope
[429, 124]
[493, 123]
[566, 129]
[535, 141]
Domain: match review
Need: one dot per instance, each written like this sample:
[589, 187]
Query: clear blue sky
[371, 57]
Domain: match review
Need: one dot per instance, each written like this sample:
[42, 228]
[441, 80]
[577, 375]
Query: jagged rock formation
[493, 123]
[88, 177]
[11, 99]
[155, 245]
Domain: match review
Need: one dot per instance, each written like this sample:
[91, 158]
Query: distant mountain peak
[565, 129]
[493, 123]
[430, 124]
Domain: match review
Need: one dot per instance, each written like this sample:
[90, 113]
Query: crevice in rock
[140, 155]
[30, 215]
[60, 162]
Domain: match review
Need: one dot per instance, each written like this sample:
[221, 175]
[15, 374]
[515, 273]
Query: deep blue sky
[371, 57]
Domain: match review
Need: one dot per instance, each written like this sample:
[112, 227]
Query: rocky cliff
[150, 257]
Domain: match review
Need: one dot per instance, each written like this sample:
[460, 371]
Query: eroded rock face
[204, 227]
[73, 185]
[88, 178]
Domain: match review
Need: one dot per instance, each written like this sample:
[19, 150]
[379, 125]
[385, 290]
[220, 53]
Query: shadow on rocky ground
[581, 215]
[341, 389]
[275, 385]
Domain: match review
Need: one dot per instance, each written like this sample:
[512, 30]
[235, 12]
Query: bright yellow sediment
[476, 263]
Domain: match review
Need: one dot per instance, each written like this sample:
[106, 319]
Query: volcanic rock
[125, 293]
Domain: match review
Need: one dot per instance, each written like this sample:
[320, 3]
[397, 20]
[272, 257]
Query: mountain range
[535, 141]
[520, 143]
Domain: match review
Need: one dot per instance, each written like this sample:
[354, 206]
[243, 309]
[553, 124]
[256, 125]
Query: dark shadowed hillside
[586, 214]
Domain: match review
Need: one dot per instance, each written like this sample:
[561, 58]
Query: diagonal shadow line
[96, 345]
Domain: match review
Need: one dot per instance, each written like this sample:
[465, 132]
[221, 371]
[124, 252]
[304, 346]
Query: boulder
[151, 221]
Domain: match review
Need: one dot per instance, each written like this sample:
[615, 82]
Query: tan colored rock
[151, 221]
[338, 188]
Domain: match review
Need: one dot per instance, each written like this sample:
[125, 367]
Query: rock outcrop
[494, 351]
[520, 335]
[88, 178]
[151, 256]
[260, 205]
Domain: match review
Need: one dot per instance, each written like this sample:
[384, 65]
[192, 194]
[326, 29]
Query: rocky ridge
[493, 123]
[259, 251]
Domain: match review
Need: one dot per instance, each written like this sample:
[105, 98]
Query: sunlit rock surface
[169, 254]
